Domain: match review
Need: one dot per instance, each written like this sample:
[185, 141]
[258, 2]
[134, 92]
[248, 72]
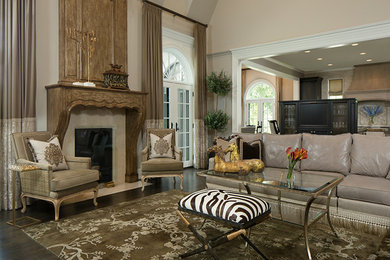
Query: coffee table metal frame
[328, 187]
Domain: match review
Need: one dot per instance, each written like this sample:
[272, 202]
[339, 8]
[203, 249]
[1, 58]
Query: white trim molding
[183, 38]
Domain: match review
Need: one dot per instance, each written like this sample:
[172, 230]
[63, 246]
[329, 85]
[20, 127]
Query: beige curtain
[18, 84]
[201, 138]
[278, 94]
[152, 81]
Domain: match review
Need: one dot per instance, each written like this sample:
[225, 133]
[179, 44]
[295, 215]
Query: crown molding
[186, 39]
[343, 36]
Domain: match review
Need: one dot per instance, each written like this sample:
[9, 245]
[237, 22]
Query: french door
[260, 111]
[178, 114]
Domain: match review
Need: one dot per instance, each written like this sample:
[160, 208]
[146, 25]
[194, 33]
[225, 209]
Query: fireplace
[96, 143]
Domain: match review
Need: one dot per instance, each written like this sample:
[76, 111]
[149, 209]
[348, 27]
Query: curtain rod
[174, 13]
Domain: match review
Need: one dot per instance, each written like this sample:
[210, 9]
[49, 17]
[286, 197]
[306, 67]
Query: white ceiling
[341, 57]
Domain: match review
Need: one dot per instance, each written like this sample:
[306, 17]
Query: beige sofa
[363, 162]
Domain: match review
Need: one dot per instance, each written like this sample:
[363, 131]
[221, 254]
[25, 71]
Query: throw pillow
[224, 144]
[161, 147]
[49, 153]
[251, 150]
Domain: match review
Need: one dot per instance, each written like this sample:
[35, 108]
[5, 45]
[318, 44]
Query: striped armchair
[53, 186]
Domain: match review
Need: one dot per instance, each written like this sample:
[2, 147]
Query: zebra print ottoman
[237, 208]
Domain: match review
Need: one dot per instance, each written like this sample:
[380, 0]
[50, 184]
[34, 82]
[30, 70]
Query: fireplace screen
[96, 143]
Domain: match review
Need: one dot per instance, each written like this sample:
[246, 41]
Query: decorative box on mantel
[115, 78]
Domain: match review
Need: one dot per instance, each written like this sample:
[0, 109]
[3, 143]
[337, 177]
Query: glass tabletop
[276, 178]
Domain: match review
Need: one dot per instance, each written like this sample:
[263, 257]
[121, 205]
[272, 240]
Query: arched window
[178, 92]
[260, 104]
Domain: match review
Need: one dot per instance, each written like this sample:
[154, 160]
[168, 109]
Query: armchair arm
[78, 162]
[144, 154]
[178, 153]
[35, 182]
[39, 165]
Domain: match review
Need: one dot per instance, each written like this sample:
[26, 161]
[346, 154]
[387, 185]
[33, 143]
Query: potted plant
[219, 84]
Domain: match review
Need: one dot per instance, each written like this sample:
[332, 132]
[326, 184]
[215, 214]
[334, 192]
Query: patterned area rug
[149, 228]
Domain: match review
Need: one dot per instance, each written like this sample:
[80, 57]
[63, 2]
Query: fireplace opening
[96, 143]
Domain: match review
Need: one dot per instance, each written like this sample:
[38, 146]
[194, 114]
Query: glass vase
[290, 177]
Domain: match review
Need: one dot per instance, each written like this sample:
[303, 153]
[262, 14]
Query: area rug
[149, 228]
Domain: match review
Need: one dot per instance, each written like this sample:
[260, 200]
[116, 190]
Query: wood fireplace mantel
[62, 98]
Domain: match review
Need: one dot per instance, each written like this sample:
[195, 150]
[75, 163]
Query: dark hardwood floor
[15, 244]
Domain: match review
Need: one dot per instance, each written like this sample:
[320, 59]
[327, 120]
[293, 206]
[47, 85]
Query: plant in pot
[219, 84]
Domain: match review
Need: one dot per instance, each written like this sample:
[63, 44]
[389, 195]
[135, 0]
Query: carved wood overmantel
[62, 99]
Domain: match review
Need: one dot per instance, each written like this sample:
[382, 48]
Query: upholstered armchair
[49, 185]
[161, 158]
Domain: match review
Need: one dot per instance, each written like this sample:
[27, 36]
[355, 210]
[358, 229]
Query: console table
[62, 98]
[308, 185]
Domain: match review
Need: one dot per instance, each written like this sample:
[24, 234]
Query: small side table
[26, 220]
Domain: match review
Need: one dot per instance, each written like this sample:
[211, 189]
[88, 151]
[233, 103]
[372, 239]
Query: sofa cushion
[327, 153]
[365, 188]
[62, 180]
[370, 155]
[274, 149]
[161, 164]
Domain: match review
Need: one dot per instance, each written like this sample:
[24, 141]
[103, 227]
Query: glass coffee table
[309, 186]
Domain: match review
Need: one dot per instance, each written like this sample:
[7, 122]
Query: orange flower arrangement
[293, 158]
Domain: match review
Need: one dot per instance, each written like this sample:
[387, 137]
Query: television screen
[314, 114]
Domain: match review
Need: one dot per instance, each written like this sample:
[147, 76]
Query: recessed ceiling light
[363, 53]
[336, 45]
[307, 51]
[330, 64]
[319, 58]
[355, 44]
[369, 60]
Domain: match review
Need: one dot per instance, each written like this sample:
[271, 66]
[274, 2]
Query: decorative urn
[115, 78]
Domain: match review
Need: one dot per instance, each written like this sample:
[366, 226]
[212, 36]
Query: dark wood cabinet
[326, 116]
[310, 88]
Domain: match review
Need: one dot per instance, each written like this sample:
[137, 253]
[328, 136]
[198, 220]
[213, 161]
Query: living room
[252, 43]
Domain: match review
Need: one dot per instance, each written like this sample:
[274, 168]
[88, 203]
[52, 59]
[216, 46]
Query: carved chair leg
[181, 181]
[57, 205]
[143, 181]
[95, 194]
[23, 198]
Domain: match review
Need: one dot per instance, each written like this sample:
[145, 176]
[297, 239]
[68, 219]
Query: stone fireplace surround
[63, 99]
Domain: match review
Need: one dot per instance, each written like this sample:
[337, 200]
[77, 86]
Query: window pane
[267, 115]
[187, 96]
[253, 112]
[261, 90]
[187, 154]
[173, 68]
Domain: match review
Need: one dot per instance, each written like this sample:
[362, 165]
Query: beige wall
[237, 24]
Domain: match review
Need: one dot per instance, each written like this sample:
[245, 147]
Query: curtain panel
[18, 85]
[152, 79]
[201, 139]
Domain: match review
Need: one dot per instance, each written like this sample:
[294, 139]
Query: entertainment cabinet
[326, 116]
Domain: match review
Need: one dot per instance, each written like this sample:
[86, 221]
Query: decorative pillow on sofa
[370, 155]
[274, 153]
[161, 147]
[250, 150]
[49, 153]
[329, 153]
[224, 144]
[250, 146]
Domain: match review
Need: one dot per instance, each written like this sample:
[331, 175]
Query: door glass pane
[253, 112]
[166, 107]
[268, 114]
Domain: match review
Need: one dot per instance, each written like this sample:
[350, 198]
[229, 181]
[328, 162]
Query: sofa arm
[42, 166]
[78, 162]
[178, 153]
[144, 154]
